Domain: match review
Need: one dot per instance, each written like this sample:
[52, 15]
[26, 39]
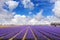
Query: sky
[33, 12]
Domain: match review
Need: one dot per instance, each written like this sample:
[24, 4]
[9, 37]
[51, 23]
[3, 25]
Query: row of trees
[55, 24]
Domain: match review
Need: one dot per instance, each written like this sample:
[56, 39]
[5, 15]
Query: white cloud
[20, 19]
[12, 4]
[28, 4]
[53, 1]
[44, 22]
[57, 8]
[3, 1]
[5, 16]
[37, 22]
[53, 19]
[39, 15]
[37, 4]
[39, 19]
[30, 12]
[33, 21]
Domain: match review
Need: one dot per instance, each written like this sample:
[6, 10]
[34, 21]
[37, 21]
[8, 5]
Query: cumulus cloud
[28, 4]
[30, 12]
[20, 19]
[48, 20]
[33, 21]
[12, 4]
[57, 9]
[53, 19]
[53, 1]
[3, 1]
[39, 15]
[5, 15]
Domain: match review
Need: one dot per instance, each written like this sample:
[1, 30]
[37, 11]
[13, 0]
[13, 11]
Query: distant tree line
[55, 24]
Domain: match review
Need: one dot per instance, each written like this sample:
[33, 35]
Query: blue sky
[29, 11]
[41, 4]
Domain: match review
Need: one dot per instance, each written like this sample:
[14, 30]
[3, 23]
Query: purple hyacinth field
[30, 33]
[29, 19]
